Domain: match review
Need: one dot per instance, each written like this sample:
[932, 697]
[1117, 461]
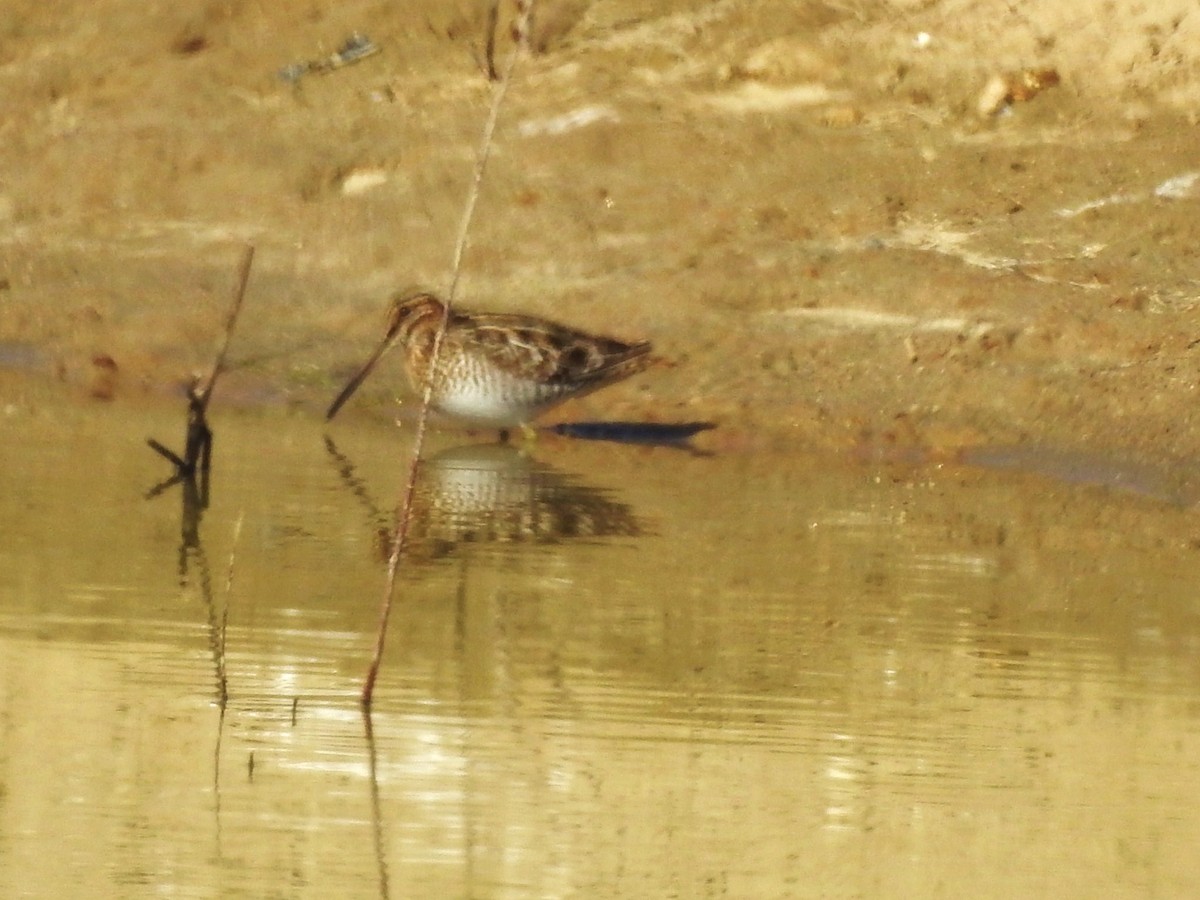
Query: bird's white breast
[491, 396]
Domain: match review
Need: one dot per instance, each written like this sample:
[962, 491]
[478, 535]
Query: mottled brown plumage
[495, 369]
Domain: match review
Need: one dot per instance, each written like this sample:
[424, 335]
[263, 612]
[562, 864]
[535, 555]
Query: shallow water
[611, 671]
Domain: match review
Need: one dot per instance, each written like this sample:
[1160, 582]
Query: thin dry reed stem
[230, 321]
[404, 505]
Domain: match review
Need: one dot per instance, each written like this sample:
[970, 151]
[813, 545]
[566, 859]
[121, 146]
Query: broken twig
[197, 454]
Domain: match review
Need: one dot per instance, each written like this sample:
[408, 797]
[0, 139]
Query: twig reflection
[376, 807]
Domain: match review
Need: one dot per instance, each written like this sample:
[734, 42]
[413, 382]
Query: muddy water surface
[611, 671]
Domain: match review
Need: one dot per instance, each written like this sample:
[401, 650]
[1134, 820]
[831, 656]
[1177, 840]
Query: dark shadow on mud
[655, 434]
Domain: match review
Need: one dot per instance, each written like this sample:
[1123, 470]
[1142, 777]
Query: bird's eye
[577, 357]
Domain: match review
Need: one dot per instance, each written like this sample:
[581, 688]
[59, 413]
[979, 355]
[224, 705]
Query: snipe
[498, 370]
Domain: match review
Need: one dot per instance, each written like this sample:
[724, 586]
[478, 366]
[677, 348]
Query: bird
[493, 369]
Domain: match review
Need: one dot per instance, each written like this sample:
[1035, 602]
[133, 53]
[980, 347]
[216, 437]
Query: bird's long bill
[359, 377]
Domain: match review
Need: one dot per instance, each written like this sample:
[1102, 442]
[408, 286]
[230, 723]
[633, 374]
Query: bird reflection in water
[493, 494]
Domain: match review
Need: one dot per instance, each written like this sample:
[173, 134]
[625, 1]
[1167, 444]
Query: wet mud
[829, 218]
